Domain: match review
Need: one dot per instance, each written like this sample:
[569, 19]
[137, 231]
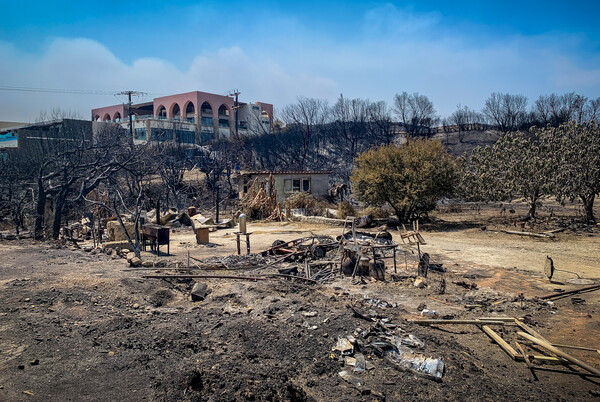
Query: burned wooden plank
[560, 353]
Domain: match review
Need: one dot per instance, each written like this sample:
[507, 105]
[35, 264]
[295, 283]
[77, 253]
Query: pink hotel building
[182, 117]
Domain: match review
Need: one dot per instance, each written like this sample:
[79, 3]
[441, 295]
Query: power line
[66, 91]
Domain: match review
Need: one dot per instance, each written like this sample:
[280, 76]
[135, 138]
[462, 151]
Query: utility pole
[130, 103]
[235, 92]
[236, 106]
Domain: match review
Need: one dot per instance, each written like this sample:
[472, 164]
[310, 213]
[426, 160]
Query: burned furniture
[156, 236]
[238, 240]
[364, 253]
[316, 246]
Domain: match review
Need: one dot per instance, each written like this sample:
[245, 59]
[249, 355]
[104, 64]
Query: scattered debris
[351, 378]
[429, 313]
[420, 282]
[198, 292]
[344, 346]
[465, 284]
[405, 359]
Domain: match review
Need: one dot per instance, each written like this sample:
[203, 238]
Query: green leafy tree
[410, 178]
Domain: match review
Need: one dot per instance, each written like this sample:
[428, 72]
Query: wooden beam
[501, 342]
[571, 292]
[576, 347]
[457, 322]
[530, 234]
[560, 353]
[533, 332]
[529, 365]
[548, 359]
[505, 319]
[530, 330]
[205, 277]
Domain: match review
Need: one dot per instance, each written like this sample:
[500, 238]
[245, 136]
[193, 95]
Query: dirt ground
[81, 326]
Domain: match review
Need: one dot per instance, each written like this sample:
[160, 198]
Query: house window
[207, 121]
[223, 122]
[296, 185]
[306, 185]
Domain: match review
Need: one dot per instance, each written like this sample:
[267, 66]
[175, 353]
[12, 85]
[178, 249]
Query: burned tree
[304, 121]
[505, 111]
[416, 113]
[67, 161]
[17, 194]
[127, 188]
[555, 110]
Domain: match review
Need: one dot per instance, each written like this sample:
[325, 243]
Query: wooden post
[94, 232]
[158, 212]
[237, 239]
[248, 243]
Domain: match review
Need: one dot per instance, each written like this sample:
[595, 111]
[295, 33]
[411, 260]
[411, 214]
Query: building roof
[290, 172]
[11, 125]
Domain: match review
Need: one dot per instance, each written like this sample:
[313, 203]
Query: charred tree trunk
[58, 210]
[40, 210]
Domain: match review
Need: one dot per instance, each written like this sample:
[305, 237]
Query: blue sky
[453, 52]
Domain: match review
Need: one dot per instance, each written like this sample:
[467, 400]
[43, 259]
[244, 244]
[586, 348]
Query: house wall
[319, 183]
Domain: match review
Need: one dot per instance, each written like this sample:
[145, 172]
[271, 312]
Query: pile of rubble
[383, 342]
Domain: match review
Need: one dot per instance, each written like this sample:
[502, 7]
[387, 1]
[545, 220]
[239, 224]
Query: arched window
[223, 116]
[223, 111]
[206, 113]
[176, 111]
[161, 112]
[97, 117]
[106, 117]
[117, 117]
[189, 112]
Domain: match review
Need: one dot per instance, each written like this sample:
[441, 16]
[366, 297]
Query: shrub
[302, 200]
[345, 209]
[375, 212]
[410, 178]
